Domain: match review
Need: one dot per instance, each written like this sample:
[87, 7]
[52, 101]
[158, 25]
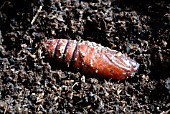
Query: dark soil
[138, 28]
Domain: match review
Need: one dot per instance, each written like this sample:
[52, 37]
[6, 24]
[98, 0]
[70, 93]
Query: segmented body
[91, 58]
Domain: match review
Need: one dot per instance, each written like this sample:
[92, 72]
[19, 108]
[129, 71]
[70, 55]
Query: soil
[140, 29]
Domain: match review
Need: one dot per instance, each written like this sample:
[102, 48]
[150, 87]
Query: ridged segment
[59, 50]
[79, 54]
[68, 54]
[50, 46]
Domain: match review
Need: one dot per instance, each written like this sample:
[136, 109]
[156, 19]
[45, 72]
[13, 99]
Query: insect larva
[90, 58]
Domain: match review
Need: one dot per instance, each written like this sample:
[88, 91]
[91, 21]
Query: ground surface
[139, 29]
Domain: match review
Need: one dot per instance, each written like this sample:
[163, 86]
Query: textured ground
[140, 29]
